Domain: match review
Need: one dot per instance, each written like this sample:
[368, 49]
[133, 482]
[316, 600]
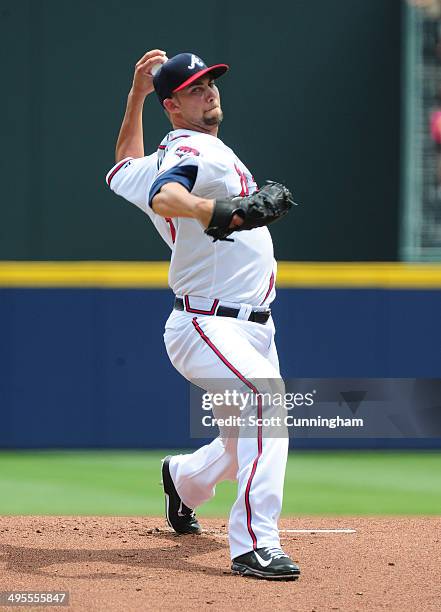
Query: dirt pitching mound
[137, 564]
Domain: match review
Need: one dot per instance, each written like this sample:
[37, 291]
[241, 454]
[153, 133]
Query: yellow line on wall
[153, 274]
[359, 275]
[101, 274]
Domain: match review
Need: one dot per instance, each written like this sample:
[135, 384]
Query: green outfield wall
[312, 99]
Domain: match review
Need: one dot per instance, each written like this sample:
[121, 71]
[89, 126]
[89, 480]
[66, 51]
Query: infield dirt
[137, 564]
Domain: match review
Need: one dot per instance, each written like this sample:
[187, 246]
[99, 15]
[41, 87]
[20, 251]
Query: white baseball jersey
[242, 271]
[215, 347]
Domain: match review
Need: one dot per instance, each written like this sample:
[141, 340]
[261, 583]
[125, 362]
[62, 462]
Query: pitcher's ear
[170, 105]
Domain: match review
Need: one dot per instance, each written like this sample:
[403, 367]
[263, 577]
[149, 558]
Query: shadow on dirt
[176, 555]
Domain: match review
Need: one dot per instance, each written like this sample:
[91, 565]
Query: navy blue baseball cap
[180, 71]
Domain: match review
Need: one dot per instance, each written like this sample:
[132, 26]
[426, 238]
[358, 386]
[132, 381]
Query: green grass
[127, 483]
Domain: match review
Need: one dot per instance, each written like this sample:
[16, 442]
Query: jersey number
[172, 228]
[243, 181]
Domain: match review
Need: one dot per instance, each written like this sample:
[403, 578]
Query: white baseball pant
[210, 347]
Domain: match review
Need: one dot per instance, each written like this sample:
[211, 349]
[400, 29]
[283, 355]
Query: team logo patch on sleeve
[186, 151]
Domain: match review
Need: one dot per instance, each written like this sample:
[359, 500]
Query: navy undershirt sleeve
[185, 175]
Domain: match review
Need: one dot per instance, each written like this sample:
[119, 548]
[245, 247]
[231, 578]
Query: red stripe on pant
[224, 360]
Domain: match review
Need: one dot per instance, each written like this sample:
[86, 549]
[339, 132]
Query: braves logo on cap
[195, 60]
[173, 76]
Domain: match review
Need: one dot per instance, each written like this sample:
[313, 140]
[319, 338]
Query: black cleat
[179, 517]
[266, 563]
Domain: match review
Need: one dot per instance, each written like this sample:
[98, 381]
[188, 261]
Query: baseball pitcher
[207, 207]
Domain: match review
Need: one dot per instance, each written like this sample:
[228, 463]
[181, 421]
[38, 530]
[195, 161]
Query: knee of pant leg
[268, 394]
[266, 409]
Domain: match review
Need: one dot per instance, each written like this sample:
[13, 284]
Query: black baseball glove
[263, 207]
